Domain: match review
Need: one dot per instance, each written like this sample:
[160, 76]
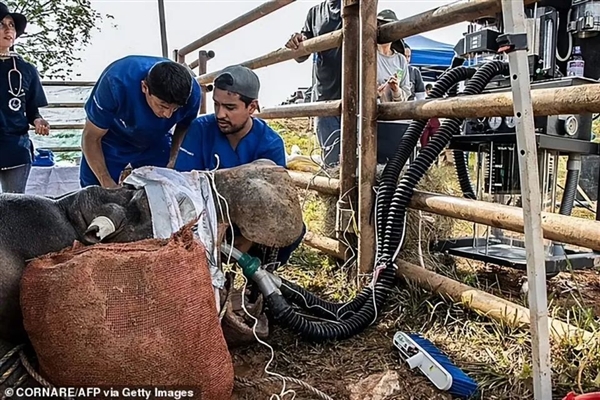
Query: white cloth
[177, 198]
[53, 181]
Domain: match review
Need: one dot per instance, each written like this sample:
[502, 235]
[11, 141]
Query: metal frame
[513, 14]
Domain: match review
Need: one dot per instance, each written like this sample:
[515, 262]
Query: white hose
[570, 48]
[105, 226]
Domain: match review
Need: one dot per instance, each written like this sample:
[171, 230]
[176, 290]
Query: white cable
[570, 48]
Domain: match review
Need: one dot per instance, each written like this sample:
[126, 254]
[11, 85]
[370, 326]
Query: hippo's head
[109, 215]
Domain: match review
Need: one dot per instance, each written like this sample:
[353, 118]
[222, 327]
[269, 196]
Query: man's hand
[108, 183]
[42, 127]
[171, 164]
[295, 41]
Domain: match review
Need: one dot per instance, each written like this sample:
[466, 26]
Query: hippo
[33, 226]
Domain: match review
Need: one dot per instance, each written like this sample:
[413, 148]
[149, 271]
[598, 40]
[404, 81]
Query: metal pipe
[235, 24]
[368, 136]
[556, 227]
[565, 100]
[203, 57]
[68, 83]
[163, 28]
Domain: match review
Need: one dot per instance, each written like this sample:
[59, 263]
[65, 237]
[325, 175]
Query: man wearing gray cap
[231, 133]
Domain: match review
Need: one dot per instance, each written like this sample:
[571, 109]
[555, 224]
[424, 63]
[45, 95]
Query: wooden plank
[368, 137]
[566, 100]
[349, 123]
[556, 227]
[316, 109]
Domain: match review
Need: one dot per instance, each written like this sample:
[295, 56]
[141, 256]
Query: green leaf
[57, 31]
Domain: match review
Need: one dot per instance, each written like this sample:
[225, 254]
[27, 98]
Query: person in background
[324, 18]
[232, 137]
[393, 81]
[131, 112]
[416, 80]
[22, 96]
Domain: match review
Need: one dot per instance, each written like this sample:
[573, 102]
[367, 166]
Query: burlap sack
[128, 315]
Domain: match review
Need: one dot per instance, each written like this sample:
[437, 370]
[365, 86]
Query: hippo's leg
[11, 319]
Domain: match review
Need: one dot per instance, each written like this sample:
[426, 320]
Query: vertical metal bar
[514, 23]
[163, 28]
[368, 135]
[203, 58]
[349, 122]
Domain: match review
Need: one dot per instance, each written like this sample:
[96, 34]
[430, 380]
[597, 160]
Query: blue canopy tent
[430, 56]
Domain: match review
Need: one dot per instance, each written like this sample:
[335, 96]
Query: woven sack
[131, 315]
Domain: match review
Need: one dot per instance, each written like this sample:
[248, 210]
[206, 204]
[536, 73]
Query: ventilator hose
[391, 172]
[393, 237]
[340, 311]
[460, 163]
[317, 331]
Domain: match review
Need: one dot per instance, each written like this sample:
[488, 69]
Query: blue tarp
[429, 53]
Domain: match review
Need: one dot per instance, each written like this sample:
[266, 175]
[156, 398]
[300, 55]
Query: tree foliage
[57, 31]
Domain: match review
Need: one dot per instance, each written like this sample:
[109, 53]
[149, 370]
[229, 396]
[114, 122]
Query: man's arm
[182, 126]
[178, 136]
[306, 33]
[91, 146]
[100, 108]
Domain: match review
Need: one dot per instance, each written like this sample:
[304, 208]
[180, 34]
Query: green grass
[498, 356]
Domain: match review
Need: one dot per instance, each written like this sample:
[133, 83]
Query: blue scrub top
[15, 146]
[204, 139]
[135, 134]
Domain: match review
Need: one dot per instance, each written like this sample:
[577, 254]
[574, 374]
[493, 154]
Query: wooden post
[349, 122]
[368, 136]
[203, 57]
[513, 13]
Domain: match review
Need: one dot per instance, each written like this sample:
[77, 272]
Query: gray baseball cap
[241, 80]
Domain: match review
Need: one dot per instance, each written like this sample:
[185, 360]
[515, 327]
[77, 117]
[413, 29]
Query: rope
[243, 383]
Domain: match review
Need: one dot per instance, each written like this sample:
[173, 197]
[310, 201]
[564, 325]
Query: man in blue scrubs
[231, 132]
[130, 114]
[234, 135]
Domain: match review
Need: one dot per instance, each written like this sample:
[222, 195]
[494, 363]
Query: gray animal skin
[32, 226]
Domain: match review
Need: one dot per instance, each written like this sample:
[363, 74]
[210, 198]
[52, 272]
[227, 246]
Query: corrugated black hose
[394, 234]
[340, 311]
[385, 269]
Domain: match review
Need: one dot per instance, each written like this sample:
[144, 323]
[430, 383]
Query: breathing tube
[569, 194]
[396, 197]
[395, 224]
[461, 164]
[340, 311]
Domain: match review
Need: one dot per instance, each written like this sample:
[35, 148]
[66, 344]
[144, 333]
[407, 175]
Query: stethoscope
[14, 103]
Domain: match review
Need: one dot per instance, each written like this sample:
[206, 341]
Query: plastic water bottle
[576, 64]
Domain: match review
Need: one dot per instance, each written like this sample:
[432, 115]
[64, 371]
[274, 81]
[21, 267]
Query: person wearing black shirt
[22, 95]
[322, 19]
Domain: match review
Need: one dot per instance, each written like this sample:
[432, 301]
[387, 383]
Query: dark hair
[171, 82]
[428, 86]
[224, 81]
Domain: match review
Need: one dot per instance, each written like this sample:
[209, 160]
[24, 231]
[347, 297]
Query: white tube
[227, 249]
[105, 226]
